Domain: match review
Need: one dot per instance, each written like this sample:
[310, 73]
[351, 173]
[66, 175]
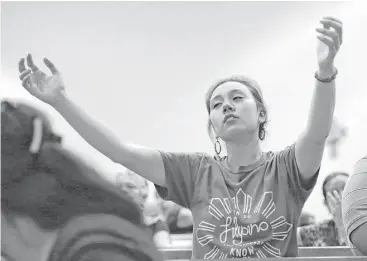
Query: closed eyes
[219, 103]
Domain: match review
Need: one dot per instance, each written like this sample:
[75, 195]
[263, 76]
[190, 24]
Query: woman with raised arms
[245, 204]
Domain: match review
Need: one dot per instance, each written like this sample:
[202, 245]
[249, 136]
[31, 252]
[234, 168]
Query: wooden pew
[324, 251]
[185, 253]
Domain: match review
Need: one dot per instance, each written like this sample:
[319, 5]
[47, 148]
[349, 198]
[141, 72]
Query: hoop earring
[261, 131]
[216, 145]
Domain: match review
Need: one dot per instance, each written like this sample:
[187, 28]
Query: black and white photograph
[183, 130]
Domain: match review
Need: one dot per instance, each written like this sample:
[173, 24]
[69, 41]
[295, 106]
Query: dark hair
[305, 219]
[331, 176]
[50, 188]
[254, 88]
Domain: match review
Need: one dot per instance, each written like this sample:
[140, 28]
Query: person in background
[355, 208]
[306, 219]
[146, 196]
[330, 232]
[49, 210]
[179, 219]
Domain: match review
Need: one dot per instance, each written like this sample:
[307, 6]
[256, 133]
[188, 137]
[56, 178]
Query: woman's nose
[228, 107]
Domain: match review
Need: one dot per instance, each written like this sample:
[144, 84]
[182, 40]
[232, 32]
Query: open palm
[37, 83]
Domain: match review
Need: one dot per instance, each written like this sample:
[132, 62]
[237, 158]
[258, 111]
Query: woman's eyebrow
[232, 91]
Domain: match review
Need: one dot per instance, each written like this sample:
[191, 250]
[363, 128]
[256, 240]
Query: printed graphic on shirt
[242, 228]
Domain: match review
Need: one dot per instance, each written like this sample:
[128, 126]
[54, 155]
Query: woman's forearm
[143, 161]
[342, 235]
[92, 131]
[322, 107]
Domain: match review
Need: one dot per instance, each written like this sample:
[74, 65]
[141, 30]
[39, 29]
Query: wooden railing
[304, 252]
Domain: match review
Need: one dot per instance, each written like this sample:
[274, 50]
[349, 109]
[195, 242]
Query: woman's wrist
[326, 72]
[340, 227]
[60, 102]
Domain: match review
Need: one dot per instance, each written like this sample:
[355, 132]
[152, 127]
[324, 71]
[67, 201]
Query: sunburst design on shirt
[242, 205]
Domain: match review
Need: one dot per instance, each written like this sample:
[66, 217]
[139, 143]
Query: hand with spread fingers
[330, 38]
[46, 88]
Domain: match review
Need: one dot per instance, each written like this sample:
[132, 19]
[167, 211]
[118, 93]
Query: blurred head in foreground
[52, 212]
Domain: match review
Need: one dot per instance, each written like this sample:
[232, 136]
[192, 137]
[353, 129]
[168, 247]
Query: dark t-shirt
[253, 213]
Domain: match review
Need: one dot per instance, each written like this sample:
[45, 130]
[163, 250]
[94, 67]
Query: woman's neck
[242, 154]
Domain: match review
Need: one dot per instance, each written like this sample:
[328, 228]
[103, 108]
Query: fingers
[21, 65]
[31, 87]
[50, 66]
[24, 74]
[330, 23]
[330, 34]
[333, 19]
[334, 200]
[331, 199]
[337, 196]
[31, 64]
[334, 23]
[328, 42]
[25, 81]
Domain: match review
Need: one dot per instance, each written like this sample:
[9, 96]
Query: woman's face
[233, 111]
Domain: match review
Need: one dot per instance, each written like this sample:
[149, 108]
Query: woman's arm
[50, 89]
[354, 208]
[359, 238]
[143, 161]
[310, 145]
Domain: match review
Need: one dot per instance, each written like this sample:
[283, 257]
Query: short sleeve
[286, 159]
[354, 204]
[181, 171]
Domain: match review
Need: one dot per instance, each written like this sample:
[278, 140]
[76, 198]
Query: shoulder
[361, 166]
[282, 158]
[190, 159]
[281, 154]
[358, 179]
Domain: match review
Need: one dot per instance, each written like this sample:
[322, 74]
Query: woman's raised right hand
[46, 88]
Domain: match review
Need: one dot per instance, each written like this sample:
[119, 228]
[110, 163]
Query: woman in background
[179, 219]
[306, 219]
[330, 232]
[147, 198]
